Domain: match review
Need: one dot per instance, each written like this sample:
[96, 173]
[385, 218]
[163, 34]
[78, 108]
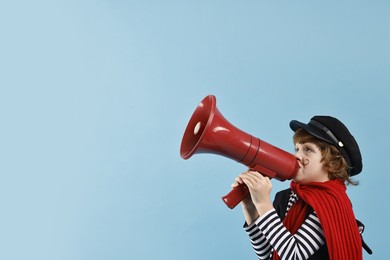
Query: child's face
[311, 168]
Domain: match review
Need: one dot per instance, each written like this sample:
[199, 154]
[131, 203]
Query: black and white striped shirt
[268, 233]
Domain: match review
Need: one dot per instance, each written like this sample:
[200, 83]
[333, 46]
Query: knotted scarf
[334, 210]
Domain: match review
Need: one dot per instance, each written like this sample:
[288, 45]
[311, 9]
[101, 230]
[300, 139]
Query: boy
[314, 218]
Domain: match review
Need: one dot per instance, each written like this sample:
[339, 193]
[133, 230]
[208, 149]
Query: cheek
[314, 165]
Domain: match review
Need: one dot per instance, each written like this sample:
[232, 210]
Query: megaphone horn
[209, 132]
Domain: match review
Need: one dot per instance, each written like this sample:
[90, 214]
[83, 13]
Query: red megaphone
[209, 132]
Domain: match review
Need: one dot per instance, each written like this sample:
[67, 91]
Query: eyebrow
[311, 145]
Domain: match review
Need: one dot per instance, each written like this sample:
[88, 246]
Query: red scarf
[334, 210]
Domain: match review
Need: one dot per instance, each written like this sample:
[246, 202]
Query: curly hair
[332, 159]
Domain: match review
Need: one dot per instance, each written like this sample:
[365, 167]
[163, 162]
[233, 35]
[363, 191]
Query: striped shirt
[267, 233]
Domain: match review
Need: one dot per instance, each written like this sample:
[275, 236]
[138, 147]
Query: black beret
[332, 131]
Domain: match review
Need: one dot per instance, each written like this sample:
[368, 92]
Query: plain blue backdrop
[95, 97]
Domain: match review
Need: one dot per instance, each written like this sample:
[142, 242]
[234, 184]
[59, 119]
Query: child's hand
[247, 201]
[260, 189]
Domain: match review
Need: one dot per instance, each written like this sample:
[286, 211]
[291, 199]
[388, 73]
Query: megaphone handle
[236, 195]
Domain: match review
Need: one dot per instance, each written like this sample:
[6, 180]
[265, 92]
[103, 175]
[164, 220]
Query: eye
[307, 149]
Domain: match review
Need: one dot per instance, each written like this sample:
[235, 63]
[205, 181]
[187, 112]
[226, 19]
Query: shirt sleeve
[259, 242]
[301, 245]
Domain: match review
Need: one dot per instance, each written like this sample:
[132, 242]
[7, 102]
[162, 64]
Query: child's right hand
[247, 201]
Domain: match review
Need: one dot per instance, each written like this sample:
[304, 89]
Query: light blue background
[95, 97]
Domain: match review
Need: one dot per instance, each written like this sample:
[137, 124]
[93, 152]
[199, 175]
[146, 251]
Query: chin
[296, 180]
[300, 180]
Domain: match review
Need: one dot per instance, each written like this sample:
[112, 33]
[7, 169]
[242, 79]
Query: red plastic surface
[209, 132]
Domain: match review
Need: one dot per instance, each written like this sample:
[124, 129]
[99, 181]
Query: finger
[235, 183]
[258, 176]
[249, 181]
[257, 180]
[255, 175]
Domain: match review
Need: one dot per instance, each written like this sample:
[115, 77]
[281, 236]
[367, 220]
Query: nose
[298, 155]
